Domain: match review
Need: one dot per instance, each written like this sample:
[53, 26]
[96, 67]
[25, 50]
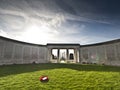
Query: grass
[61, 77]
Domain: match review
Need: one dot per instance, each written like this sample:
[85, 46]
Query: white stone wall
[15, 52]
[21, 53]
[108, 54]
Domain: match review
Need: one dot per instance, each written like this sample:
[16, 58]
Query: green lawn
[61, 77]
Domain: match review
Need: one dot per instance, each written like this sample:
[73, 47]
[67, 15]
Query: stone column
[49, 54]
[78, 55]
[115, 51]
[22, 59]
[3, 50]
[105, 54]
[31, 60]
[81, 55]
[13, 54]
[58, 55]
[75, 55]
[37, 55]
[3, 53]
[89, 57]
[67, 54]
[97, 57]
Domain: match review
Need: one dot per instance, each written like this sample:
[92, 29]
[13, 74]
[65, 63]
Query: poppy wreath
[44, 79]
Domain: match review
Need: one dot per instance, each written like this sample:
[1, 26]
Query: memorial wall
[107, 53]
[16, 52]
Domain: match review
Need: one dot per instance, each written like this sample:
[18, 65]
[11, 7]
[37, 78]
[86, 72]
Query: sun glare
[37, 34]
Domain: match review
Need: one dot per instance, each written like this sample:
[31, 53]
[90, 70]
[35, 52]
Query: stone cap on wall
[69, 45]
[102, 43]
[17, 41]
[63, 45]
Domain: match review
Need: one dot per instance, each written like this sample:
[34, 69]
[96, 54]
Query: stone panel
[101, 54]
[27, 54]
[1, 49]
[84, 54]
[18, 52]
[34, 53]
[1, 52]
[118, 51]
[110, 50]
[8, 50]
[92, 55]
[42, 54]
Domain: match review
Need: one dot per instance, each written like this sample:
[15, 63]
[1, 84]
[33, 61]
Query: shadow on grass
[17, 69]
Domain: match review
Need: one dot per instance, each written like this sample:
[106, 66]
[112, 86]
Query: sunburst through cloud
[57, 21]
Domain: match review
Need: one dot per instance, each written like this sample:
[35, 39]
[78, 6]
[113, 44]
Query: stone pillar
[97, 57]
[116, 55]
[38, 55]
[49, 54]
[31, 60]
[58, 55]
[22, 59]
[3, 50]
[13, 53]
[81, 55]
[105, 54]
[67, 55]
[115, 51]
[75, 55]
[89, 57]
[78, 55]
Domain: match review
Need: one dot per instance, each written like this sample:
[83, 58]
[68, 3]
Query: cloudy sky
[60, 21]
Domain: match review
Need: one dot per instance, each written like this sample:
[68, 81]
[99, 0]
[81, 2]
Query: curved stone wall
[102, 53]
[15, 52]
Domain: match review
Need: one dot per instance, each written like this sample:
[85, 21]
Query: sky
[60, 21]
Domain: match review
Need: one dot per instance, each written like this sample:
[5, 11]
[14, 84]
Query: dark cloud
[65, 7]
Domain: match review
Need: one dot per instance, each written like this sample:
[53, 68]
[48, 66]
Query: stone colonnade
[67, 47]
